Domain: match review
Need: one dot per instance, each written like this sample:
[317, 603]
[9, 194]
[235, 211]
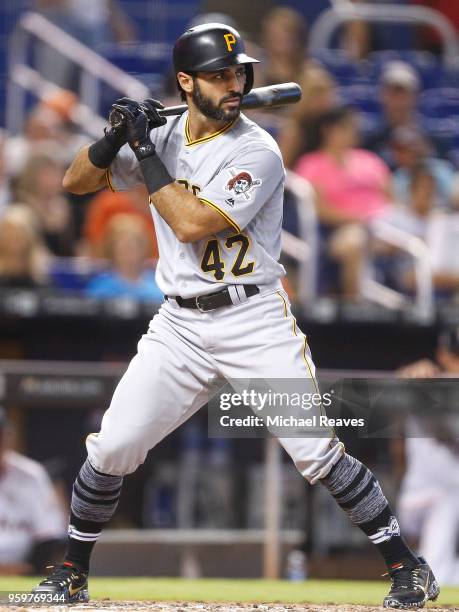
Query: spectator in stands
[104, 206]
[351, 187]
[41, 132]
[429, 492]
[24, 259]
[298, 135]
[443, 243]
[413, 216]
[399, 87]
[409, 148]
[48, 125]
[284, 34]
[423, 217]
[421, 202]
[40, 187]
[284, 41]
[129, 275]
[32, 521]
[357, 36]
[5, 192]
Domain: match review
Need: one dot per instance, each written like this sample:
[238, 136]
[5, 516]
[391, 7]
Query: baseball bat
[260, 97]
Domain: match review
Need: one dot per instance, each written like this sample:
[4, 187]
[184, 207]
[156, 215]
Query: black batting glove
[102, 153]
[116, 119]
[138, 127]
[151, 107]
[137, 131]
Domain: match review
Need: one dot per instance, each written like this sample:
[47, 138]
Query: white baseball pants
[184, 349]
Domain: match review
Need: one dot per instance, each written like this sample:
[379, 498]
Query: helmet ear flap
[248, 78]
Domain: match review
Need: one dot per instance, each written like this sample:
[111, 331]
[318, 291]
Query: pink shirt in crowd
[356, 187]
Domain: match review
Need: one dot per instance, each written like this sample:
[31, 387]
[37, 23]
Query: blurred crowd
[394, 171]
[103, 245]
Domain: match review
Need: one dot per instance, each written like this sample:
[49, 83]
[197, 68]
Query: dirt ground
[134, 606]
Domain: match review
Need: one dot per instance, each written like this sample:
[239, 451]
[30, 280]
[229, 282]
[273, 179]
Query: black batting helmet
[212, 46]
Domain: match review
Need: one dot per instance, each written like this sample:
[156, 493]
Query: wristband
[144, 149]
[154, 173]
[102, 153]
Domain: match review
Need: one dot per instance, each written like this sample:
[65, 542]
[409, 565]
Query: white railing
[423, 304]
[344, 11]
[31, 80]
[303, 248]
[93, 68]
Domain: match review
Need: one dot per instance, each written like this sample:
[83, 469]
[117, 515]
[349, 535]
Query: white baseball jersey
[29, 508]
[237, 171]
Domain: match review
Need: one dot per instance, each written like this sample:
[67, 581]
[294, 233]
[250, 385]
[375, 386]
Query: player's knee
[316, 460]
[119, 456]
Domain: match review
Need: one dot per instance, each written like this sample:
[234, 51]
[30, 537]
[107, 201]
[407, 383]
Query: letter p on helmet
[230, 41]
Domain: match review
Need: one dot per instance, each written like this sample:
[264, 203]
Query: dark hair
[329, 118]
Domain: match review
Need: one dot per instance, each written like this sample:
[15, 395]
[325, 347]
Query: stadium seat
[342, 67]
[362, 97]
[73, 274]
[160, 21]
[141, 58]
[440, 107]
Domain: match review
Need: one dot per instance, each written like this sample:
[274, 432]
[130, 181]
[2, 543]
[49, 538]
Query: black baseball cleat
[67, 582]
[411, 587]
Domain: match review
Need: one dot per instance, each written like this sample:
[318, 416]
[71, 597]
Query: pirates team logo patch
[241, 184]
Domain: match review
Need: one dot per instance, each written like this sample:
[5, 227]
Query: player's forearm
[186, 215]
[82, 176]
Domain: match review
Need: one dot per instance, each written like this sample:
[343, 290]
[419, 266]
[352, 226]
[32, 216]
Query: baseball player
[216, 183]
[32, 519]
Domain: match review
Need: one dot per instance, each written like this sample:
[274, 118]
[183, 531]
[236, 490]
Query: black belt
[211, 301]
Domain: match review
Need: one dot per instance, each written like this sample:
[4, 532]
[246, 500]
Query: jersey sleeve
[241, 188]
[124, 173]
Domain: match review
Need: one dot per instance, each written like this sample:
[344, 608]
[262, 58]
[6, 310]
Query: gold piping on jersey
[286, 311]
[284, 303]
[305, 346]
[108, 178]
[190, 142]
[222, 213]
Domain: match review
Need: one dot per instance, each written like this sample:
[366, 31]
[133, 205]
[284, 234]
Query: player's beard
[212, 111]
